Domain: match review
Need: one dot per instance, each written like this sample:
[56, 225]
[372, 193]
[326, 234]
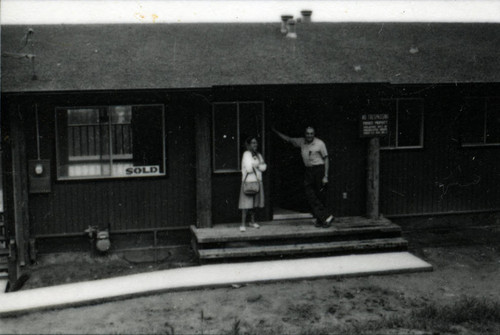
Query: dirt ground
[461, 296]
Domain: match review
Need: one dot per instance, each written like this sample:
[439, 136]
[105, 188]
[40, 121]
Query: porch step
[4, 265]
[4, 253]
[292, 229]
[295, 237]
[392, 244]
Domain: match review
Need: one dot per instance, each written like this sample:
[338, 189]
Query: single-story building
[138, 129]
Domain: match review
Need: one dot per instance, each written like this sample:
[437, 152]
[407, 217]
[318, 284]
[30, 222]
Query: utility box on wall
[39, 176]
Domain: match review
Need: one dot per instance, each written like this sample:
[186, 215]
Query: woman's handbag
[251, 187]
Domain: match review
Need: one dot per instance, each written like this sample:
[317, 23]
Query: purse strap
[255, 172]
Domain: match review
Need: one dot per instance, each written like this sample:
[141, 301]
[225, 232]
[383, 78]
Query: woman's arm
[247, 162]
[262, 165]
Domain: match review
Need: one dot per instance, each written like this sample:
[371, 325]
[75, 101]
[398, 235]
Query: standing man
[315, 157]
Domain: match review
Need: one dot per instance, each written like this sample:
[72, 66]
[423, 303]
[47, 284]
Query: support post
[20, 184]
[15, 187]
[203, 166]
[373, 173]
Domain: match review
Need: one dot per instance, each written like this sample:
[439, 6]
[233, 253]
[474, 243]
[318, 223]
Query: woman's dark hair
[249, 139]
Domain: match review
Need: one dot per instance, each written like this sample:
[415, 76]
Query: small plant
[169, 329]
[236, 328]
[470, 310]
[475, 313]
[302, 311]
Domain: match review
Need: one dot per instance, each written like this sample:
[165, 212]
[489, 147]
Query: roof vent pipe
[306, 16]
[290, 25]
[284, 19]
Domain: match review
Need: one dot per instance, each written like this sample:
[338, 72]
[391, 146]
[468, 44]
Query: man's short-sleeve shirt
[313, 153]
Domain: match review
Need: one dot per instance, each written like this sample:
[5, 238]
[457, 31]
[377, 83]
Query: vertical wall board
[19, 228]
[440, 177]
[443, 176]
[119, 203]
[334, 114]
[8, 183]
[203, 140]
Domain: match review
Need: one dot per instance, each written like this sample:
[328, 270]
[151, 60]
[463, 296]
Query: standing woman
[252, 166]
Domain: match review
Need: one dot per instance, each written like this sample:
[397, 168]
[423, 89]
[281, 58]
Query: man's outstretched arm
[283, 136]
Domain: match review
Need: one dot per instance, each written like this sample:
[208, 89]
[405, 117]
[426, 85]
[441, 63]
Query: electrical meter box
[39, 176]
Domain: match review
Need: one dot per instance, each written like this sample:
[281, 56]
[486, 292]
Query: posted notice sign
[374, 125]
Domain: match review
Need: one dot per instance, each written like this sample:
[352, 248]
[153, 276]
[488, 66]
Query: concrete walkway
[209, 276]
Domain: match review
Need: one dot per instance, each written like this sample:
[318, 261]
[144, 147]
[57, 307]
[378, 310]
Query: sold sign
[143, 170]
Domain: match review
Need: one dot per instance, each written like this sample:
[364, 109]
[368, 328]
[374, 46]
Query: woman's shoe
[243, 229]
[254, 225]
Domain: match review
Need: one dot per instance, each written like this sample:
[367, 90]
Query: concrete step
[337, 247]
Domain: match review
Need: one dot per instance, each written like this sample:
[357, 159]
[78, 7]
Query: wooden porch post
[373, 168]
[203, 166]
[9, 225]
[20, 184]
[16, 197]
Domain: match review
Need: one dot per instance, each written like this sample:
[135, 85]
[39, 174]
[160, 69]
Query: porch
[279, 238]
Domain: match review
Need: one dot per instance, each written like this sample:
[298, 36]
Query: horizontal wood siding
[121, 203]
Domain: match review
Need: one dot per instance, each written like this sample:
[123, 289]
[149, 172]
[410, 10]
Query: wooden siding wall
[443, 177]
[226, 186]
[333, 114]
[123, 203]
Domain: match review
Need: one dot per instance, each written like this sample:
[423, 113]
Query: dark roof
[88, 57]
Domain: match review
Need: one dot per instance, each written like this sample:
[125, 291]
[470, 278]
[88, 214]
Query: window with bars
[406, 120]
[233, 122]
[480, 122]
[111, 141]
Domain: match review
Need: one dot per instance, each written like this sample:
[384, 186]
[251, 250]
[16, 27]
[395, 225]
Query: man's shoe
[328, 221]
[318, 224]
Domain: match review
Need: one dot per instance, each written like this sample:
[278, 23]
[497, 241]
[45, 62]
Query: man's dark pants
[316, 191]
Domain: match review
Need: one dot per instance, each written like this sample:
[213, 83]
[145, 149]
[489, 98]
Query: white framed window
[480, 122]
[406, 123]
[232, 123]
[110, 141]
